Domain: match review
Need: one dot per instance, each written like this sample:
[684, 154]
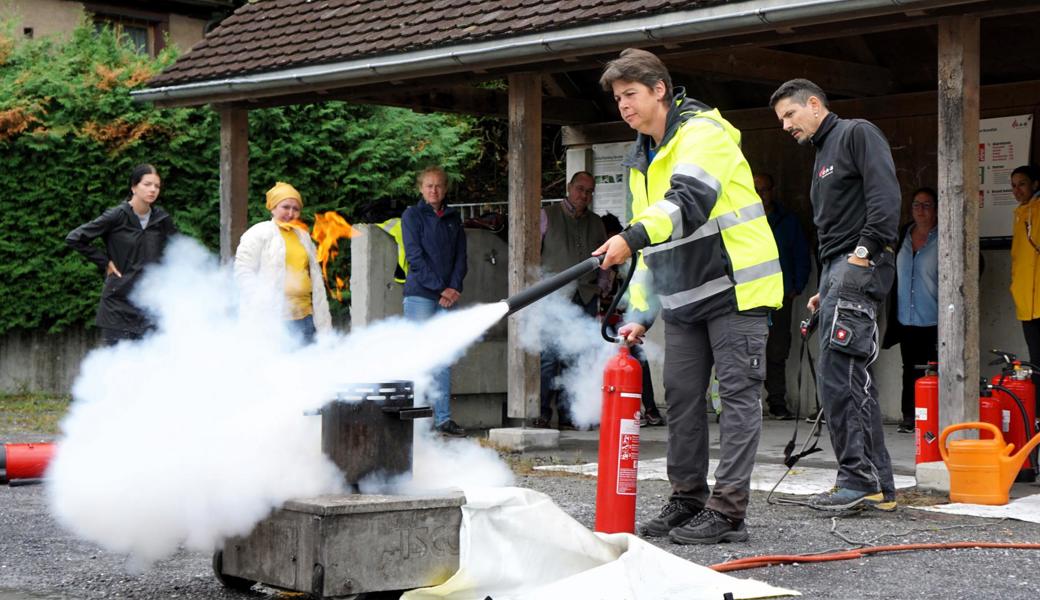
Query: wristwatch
[861, 252]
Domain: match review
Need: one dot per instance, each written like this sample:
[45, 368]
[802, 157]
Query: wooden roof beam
[494, 103]
[764, 65]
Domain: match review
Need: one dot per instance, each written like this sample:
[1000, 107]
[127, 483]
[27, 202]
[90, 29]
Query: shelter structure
[926, 69]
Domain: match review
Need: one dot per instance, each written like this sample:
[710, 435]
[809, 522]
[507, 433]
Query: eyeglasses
[922, 205]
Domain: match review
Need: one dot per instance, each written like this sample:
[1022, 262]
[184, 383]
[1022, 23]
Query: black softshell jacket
[855, 194]
[131, 249]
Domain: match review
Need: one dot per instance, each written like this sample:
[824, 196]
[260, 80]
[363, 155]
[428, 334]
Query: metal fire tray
[339, 546]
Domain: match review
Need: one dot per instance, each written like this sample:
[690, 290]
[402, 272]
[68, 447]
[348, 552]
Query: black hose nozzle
[547, 286]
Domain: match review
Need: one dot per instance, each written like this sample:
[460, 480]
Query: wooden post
[234, 178]
[958, 219]
[525, 199]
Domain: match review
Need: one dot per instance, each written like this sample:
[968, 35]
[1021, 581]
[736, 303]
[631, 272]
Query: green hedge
[70, 135]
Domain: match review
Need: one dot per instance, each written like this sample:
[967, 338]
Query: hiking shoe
[839, 499]
[781, 414]
[709, 527]
[674, 514]
[450, 428]
[886, 504]
[540, 423]
[906, 426]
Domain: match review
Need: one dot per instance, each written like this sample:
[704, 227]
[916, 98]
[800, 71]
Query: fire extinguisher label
[920, 413]
[628, 457]
[1005, 421]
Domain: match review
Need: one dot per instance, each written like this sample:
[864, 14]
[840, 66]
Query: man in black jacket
[855, 198]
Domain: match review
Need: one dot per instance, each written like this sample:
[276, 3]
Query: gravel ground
[40, 560]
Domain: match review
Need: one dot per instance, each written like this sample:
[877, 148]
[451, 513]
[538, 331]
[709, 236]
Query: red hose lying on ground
[753, 562]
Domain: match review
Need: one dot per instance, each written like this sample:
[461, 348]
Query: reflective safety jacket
[393, 227]
[706, 246]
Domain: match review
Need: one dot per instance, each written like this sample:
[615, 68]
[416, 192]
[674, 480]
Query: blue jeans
[304, 329]
[417, 308]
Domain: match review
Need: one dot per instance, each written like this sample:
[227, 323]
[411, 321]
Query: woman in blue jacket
[435, 246]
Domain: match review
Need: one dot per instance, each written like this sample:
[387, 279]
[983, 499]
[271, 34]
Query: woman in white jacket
[277, 270]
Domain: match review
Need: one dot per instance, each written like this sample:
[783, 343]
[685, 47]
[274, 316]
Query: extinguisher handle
[617, 298]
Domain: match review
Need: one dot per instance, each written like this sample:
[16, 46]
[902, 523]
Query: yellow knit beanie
[281, 191]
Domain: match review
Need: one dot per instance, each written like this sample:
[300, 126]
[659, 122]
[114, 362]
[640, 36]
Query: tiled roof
[271, 35]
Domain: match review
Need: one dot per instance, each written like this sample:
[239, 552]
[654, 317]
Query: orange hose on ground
[754, 562]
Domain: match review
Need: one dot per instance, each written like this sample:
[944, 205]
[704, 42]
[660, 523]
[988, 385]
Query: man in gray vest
[570, 232]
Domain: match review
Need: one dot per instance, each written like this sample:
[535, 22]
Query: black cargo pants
[850, 299]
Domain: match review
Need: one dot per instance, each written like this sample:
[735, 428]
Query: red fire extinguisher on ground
[926, 415]
[22, 462]
[1011, 407]
[619, 444]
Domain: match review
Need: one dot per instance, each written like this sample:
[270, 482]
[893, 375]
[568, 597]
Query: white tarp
[1023, 509]
[516, 544]
[801, 481]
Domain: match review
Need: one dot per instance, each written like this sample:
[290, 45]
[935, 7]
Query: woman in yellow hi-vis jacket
[709, 264]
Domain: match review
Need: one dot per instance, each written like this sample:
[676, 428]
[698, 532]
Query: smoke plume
[198, 431]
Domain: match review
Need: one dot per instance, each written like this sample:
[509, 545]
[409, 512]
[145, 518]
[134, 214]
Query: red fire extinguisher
[1012, 408]
[24, 461]
[619, 444]
[926, 415]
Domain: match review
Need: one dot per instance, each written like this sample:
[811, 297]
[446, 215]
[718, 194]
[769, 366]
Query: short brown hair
[434, 169]
[637, 65]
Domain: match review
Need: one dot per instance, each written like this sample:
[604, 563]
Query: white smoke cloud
[198, 431]
[557, 323]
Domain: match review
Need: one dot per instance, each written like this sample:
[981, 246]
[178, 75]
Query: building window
[146, 30]
[140, 33]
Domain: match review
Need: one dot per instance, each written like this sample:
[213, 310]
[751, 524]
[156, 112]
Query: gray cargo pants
[736, 344]
[850, 299]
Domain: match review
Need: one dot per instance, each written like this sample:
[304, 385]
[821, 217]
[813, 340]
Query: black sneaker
[651, 420]
[781, 414]
[812, 418]
[450, 428]
[839, 499]
[709, 527]
[674, 514]
[906, 426]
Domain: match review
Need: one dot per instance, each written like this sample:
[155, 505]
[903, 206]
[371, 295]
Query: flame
[329, 227]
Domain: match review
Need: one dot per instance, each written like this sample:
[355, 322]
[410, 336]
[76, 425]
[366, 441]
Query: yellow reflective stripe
[694, 171]
[713, 226]
[720, 284]
[674, 214]
[763, 269]
[705, 290]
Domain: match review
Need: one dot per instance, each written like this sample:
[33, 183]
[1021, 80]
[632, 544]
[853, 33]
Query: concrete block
[933, 476]
[523, 438]
[334, 546]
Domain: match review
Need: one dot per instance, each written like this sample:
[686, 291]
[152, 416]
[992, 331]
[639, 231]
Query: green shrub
[70, 133]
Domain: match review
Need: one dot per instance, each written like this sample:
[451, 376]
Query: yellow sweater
[1025, 261]
[297, 275]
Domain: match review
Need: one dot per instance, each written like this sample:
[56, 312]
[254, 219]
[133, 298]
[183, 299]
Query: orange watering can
[982, 471]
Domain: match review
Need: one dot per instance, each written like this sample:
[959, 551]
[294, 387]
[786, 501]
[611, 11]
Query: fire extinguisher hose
[617, 298]
[754, 562]
[1028, 428]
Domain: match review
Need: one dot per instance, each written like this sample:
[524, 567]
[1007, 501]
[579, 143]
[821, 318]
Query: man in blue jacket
[435, 246]
[794, 261]
[855, 198]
